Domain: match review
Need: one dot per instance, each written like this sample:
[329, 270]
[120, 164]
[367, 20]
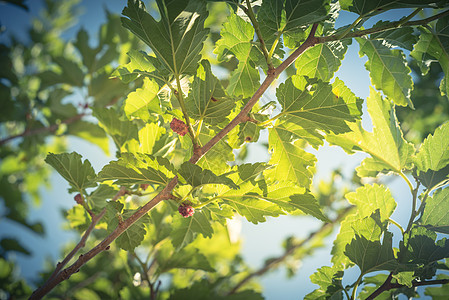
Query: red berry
[178, 126]
[79, 199]
[186, 210]
[144, 186]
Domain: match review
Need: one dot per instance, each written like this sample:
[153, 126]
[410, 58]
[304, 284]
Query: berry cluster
[178, 126]
[186, 210]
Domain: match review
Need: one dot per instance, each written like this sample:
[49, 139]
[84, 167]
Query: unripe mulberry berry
[178, 126]
[186, 210]
[79, 199]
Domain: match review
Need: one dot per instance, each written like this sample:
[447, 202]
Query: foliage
[202, 64]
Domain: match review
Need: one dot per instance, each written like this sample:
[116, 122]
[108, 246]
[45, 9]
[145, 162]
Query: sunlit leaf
[436, 212]
[79, 174]
[236, 39]
[385, 144]
[196, 176]
[177, 38]
[388, 71]
[207, 100]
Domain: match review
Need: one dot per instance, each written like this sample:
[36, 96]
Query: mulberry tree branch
[166, 192]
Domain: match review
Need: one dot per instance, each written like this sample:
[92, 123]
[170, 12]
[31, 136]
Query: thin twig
[81, 244]
[387, 285]
[51, 128]
[389, 26]
[249, 12]
[272, 263]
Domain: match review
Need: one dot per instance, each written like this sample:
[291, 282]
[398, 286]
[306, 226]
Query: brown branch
[387, 285]
[166, 192]
[83, 259]
[389, 26]
[270, 265]
[51, 128]
[81, 244]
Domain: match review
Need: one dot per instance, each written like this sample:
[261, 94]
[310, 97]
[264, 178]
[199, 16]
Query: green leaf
[177, 39]
[386, 145]
[247, 132]
[291, 199]
[255, 200]
[388, 70]
[185, 230]
[216, 158]
[90, 132]
[105, 90]
[196, 176]
[148, 137]
[438, 292]
[436, 212]
[120, 130]
[400, 37]
[370, 198]
[419, 247]
[97, 199]
[128, 170]
[140, 64]
[69, 72]
[434, 45]
[321, 61]
[9, 244]
[186, 258]
[204, 290]
[329, 279]
[133, 235]
[87, 53]
[79, 174]
[144, 101]
[304, 12]
[291, 162]
[369, 228]
[207, 100]
[405, 278]
[325, 107]
[432, 179]
[236, 39]
[372, 256]
[269, 18]
[433, 153]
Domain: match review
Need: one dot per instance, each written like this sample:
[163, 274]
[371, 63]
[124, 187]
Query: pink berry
[178, 126]
[79, 199]
[186, 210]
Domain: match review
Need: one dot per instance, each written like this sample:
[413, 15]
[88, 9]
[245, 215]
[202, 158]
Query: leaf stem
[397, 225]
[180, 97]
[249, 11]
[264, 123]
[409, 17]
[414, 212]
[356, 284]
[352, 26]
[407, 181]
[51, 128]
